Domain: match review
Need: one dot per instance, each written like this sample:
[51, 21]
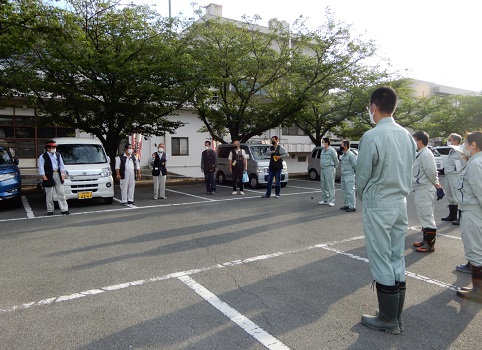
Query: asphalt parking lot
[217, 272]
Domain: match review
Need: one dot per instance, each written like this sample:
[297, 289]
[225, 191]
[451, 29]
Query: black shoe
[50, 213]
[264, 196]
[129, 202]
[65, 212]
[463, 268]
[350, 210]
[344, 207]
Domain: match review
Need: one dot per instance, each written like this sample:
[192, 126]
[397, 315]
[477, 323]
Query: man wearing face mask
[209, 165]
[159, 172]
[238, 164]
[328, 163]
[424, 185]
[452, 171]
[52, 170]
[470, 202]
[126, 166]
[348, 167]
[276, 154]
[383, 180]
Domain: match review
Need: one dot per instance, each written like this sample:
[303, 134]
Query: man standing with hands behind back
[51, 169]
[383, 181]
[159, 172]
[126, 166]
[209, 165]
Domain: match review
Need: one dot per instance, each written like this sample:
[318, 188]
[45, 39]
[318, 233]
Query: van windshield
[82, 154]
[259, 152]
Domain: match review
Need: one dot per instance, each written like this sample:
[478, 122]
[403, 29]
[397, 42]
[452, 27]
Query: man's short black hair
[346, 143]
[421, 136]
[385, 98]
[476, 137]
[127, 146]
[327, 140]
[208, 142]
[275, 137]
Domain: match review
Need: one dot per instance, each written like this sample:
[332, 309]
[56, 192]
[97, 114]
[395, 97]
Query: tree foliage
[109, 70]
[256, 79]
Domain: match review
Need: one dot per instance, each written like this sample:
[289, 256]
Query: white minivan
[88, 169]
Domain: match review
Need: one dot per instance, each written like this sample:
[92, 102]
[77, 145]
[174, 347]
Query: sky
[432, 40]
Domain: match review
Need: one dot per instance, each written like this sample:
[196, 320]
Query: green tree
[457, 113]
[110, 71]
[256, 79]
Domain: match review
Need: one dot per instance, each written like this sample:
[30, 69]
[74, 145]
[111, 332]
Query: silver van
[314, 161]
[258, 163]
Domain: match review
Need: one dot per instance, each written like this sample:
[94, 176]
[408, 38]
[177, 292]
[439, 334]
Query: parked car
[444, 153]
[314, 162]
[88, 169]
[10, 180]
[258, 163]
[438, 159]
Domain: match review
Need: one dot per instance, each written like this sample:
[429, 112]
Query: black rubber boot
[452, 213]
[475, 294]
[388, 308]
[419, 244]
[401, 302]
[429, 246]
[457, 221]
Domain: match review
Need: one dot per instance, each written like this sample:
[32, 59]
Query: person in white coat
[126, 167]
[383, 178]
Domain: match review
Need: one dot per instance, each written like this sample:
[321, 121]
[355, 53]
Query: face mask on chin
[207, 147]
[161, 150]
[273, 143]
[130, 151]
[53, 150]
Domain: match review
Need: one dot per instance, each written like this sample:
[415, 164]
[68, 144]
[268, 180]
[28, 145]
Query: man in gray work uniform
[383, 180]
[424, 184]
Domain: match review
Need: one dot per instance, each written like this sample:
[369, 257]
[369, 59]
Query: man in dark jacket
[159, 172]
[276, 153]
[209, 165]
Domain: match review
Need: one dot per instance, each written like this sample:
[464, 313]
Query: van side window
[223, 152]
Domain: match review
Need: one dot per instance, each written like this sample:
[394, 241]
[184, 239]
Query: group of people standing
[329, 161]
[391, 163]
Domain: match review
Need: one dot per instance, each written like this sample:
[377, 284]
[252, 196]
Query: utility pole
[169, 9]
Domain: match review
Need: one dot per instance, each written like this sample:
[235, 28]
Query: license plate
[84, 195]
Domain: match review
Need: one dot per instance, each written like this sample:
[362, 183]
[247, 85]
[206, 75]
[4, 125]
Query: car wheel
[313, 174]
[220, 177]
[109, 200]
[253, 181]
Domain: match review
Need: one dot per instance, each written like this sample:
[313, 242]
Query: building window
[302, 159]
[180, 146]
[293, 130]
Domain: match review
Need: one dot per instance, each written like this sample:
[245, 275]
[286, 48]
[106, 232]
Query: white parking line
[126, 205]
[326, 246]
[190, 195]
[28, 208]
[242, 321]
